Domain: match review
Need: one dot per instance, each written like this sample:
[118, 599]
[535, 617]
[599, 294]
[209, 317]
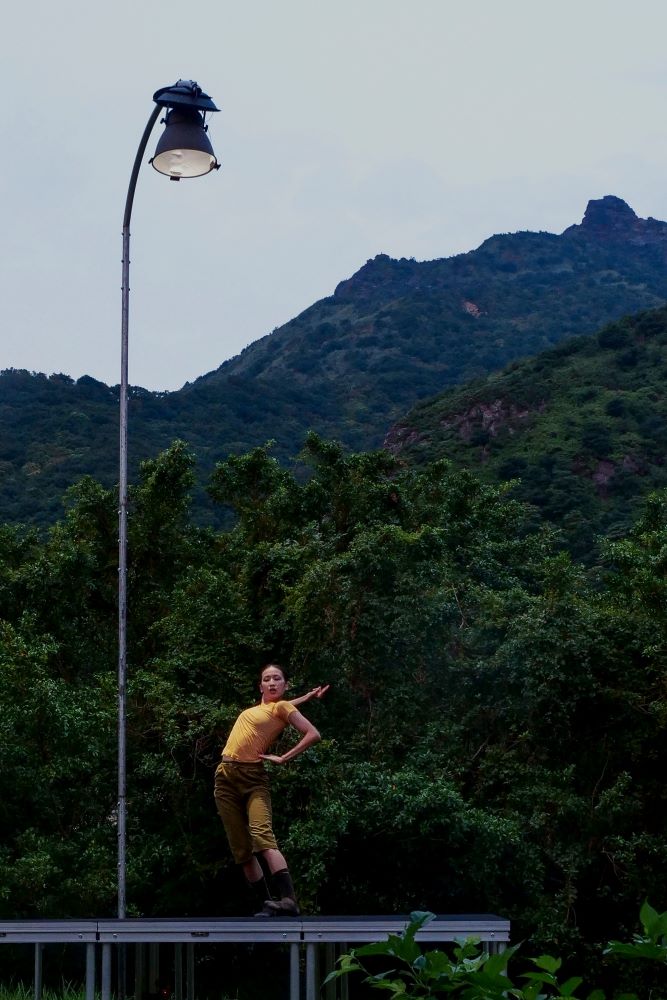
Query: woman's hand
[318, 692]
[309, 736]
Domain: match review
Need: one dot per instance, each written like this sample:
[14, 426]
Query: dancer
[242, 792]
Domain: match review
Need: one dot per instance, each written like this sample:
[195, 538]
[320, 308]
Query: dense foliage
[397, 332]
[469, 972]
[581, 427]
[494, 735]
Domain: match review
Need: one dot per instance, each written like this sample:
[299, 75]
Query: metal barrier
[322, 939]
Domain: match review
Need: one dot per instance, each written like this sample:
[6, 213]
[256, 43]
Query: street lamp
[184, 150]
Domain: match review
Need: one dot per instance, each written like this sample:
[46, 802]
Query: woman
[242, 787]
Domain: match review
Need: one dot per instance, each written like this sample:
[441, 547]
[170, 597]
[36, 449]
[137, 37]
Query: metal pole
[39, 982]
[178, 971]
[205, 104]
[294, 972]
[138, 971]
[122, 531]
[329, 966]
[106, 971]
[90, 971]
[153, 968]
[311, 971]
[190, 971]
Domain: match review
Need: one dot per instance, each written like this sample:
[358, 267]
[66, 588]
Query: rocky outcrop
[604, 470]
[491, 417]
[610, 219]
[400, 437]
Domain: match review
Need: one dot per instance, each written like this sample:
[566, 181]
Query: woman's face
[272, 685]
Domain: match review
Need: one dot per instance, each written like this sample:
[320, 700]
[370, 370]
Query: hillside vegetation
[493, 736]
[397, 332]
[583, 427]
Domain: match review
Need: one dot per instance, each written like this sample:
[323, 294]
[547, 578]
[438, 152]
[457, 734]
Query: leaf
[420, 918]
[654, 923]
[648, 916]
[380, 983]
[337, 973]
[491, 984]
[376, 948]
[496, 964]
[539, 977]
[639, 949]
[347, 963]
[434, 964]
[408, 950]
[547, 962]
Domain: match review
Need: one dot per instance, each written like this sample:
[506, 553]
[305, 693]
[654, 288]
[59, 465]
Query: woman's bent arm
[309, 738]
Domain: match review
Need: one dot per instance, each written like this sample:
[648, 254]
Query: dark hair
[276, 666]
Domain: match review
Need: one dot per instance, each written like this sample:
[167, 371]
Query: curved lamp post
[184, 150]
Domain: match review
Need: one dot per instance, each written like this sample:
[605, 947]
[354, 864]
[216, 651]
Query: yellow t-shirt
[256, 729]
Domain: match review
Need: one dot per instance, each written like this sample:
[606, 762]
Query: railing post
[38, 971]
[294, 972]
[190, 970]
[106, 971]
[138, 971]
[178, 971]
[90, 971]
[153, 968]
[311, 972]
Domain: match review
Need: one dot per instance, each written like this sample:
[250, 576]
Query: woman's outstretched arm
[317, 692]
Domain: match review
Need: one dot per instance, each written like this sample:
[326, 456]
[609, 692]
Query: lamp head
[184, 149]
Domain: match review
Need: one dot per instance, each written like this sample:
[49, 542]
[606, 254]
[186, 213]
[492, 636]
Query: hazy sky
[415, 128]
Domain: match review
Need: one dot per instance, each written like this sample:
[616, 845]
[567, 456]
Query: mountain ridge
[396, 332]
[609, 225]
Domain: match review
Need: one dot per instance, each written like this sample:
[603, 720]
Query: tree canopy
[494, 733]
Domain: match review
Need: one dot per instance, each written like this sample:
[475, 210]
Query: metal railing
[318, 940]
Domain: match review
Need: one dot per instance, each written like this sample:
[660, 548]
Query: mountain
[396, 332]
[401, 330]
[583, 426]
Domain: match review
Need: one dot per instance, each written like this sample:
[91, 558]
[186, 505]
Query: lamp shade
[184, 149]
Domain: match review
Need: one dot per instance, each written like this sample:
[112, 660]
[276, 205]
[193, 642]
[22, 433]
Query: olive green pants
[243, 800]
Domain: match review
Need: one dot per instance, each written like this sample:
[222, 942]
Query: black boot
[286, 904]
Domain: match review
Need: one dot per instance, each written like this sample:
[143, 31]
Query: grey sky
[347, 129]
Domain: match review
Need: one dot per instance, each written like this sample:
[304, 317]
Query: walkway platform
[314, 944]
